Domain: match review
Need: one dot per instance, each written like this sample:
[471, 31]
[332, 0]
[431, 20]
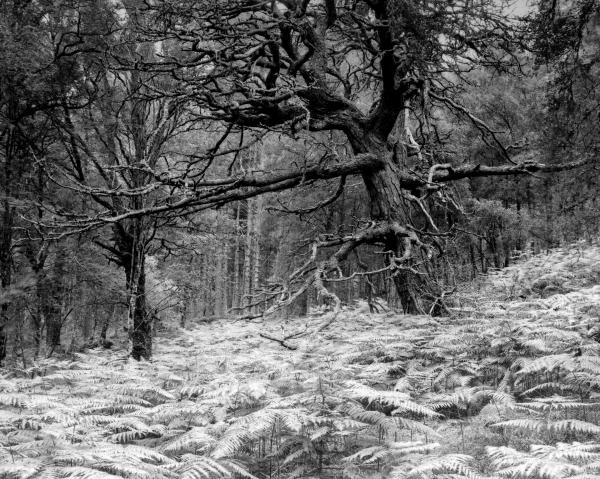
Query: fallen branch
[280, 341]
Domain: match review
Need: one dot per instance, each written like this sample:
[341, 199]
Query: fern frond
[567, 452]
[372, 418]
[556, 403]
[19, 470]
[390, 450]
[200, 467]
[195, 440]
[244, 430]
[458, 464]
[320, 433]
[512, 463]
[551, 387]
[547, 364]
[84, 473]
[574, 425]
[237, 468]
[143, 391]
[14, 399]
[139, 453]
[166, 412]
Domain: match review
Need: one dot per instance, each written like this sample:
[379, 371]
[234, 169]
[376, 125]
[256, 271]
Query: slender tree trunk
[256, 244]
[38, 317]
[237, 292]
[106, 324]
[6, 239]
[183, 313]
[19, 340]
[473, 261]
[221, 280]
[482, 257]
[248, 254]
[208, 299]
[130, 247]
[139, 321]
[53, 310]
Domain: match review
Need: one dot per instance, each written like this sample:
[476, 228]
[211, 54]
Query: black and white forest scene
[299, 239]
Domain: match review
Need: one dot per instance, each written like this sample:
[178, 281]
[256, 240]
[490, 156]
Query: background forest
[168, 161]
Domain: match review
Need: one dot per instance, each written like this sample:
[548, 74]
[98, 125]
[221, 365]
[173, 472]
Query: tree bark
[237, 295]
[139, 321]
[6, 230]
[247, 274]
[256, 246]
[105, 324]
[384, 187]
[6, 239]
[55, 297]
[221, 279]
[130, 251]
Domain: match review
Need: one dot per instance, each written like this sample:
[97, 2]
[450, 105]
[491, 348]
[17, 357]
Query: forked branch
[317, 273]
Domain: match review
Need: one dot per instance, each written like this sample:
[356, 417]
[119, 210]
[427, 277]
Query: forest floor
[508, 386]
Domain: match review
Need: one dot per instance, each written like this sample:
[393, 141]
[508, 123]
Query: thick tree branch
[446, 173]
[237, 188]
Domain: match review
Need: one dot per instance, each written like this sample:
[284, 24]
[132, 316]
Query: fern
[458, 464]
[545, 461]
[561, 426]
[401, 402]
[389, 452]
[196, 440]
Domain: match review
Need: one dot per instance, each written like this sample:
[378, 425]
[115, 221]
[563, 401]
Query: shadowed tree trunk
[130, 249]
[387, 203]
[9, 181]
[140, 322]
[5, 273]
[54, 300]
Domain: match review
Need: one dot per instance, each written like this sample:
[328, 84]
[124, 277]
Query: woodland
[299, 238]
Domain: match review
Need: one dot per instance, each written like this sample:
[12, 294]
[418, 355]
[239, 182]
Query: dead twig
[280, 341]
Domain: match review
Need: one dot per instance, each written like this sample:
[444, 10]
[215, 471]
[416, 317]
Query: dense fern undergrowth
[507, 387]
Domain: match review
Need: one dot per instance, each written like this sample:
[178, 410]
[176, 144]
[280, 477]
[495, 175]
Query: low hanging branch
[326, 202]
[218, 192]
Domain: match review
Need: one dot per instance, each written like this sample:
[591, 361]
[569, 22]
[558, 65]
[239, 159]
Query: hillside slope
[508, 387]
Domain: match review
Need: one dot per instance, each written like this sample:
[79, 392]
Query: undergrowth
[508, 387]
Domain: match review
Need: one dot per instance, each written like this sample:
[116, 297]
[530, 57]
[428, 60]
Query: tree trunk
[221, 279]
[6, 238]
[5, 274]
[139, 321]
[256, 245]
[130, 248]
[237, 296]
[55, 298]
[105, 325]
[474, 271]
[402, 281]
[387, 204]
[38, 317]
[183, 313]
[247, 274]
